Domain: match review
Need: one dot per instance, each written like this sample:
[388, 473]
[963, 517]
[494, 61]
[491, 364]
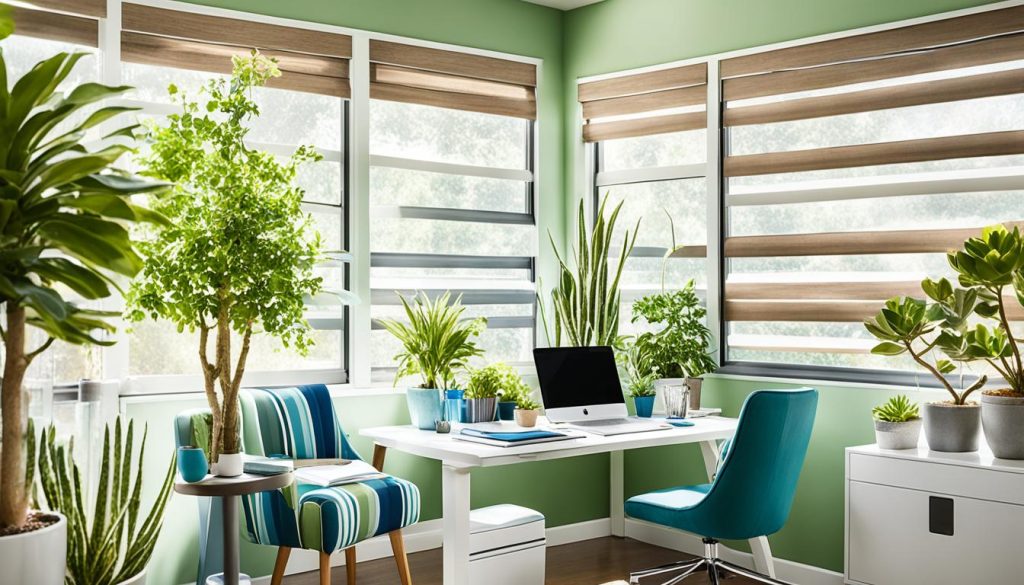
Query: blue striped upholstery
[300, 423]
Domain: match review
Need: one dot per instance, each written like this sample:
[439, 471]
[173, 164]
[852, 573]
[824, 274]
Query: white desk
[459, 457]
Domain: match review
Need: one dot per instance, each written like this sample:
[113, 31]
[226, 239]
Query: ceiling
[564, 4]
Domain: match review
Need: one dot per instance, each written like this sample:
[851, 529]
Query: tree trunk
[13, 505]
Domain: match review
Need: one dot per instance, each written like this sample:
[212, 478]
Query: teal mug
[192, 464]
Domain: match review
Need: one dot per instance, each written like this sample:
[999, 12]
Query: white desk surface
[459, 453]
[981, 458]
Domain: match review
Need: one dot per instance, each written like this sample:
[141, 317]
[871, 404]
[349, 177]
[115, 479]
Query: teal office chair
[752, 492]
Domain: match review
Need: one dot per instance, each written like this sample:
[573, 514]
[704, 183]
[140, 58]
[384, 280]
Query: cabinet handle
[940, 515]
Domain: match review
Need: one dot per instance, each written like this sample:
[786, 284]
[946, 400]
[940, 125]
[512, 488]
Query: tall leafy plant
[586, 300]
[112, 540]
[437, 341]
[681, 345]
[64, 217]
[238, 258]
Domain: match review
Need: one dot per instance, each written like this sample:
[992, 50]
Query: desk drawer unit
[923, 521]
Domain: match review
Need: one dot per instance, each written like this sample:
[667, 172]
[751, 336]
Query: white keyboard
[618, 426]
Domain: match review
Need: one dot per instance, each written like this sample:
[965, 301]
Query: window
[839, 174]
[41, 35]
[650, 144]
[451, 192]
[847, 181]
[160, 47]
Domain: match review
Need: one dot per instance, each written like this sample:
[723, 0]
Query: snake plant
[586, 300]
[118, 541]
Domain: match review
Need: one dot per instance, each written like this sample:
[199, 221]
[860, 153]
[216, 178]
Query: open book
[332, 475]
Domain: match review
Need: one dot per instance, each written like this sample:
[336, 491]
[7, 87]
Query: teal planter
[424, 407]
[506, 411]
[644, 405]
[192, 464]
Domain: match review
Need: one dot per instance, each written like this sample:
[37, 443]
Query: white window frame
[719, 199]
[354, 371]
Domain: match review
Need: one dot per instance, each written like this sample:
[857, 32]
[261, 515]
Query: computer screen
[577, 376]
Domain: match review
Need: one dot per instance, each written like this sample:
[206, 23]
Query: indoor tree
[64, 217]
[238, 258]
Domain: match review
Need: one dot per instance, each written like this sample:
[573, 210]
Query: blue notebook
[498, 435]
[512, 436]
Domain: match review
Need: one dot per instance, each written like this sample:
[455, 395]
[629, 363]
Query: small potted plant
[681, 347]
[915, 327]
[437, 343]
[482, 391]
[527, 411]
[510, 386]
[641, 374]
[897, 423]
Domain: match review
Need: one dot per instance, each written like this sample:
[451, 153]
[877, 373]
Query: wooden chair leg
[350, 565]
[282, 561]
[379, 452]
[325, 568]
[398, 548]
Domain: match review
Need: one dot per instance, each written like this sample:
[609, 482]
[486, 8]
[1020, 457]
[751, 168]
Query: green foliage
[641, 372]
[6, 20]
[497, 379]
[896, 409]
[913, 326]
[524, 402]
[64, 218]
[239, 255]
[437, 342]
[586, 302]
[114, 540]
[681, 347]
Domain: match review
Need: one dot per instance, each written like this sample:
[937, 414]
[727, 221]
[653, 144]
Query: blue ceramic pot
[192, 464]
[453, 405]
[506, 411]
[644, 405]
[424, 407]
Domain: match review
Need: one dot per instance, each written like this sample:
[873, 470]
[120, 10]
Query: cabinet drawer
[891, 541]
[971, 482]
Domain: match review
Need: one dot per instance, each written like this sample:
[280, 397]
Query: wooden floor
[591, 562]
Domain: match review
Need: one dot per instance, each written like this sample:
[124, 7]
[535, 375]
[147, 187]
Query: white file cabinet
[923, 517]
[506, 546]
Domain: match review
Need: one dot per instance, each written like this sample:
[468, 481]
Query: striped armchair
[300, 423]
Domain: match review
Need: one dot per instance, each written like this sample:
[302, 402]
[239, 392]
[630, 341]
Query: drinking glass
[677, 400]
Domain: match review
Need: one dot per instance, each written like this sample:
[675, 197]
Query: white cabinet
[921, 517]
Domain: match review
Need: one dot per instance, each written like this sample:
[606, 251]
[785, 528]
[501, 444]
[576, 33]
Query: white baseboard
[427, 535]
[789, 571]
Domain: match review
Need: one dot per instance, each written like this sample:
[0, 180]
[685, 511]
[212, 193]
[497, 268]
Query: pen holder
[192, 464]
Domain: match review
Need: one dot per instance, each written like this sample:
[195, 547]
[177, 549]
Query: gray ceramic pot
[481, 409]
[952, 429]
[1003, 420]
[897, 435]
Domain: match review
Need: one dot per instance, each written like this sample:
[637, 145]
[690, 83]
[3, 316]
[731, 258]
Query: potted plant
[499, 380]
[914, 327]
[64, 218]
[238, 258]
[113, 542]
[897, 423]
[640, 374]
[586, 301]
[526, 411]
[437, 343]
[482, 391]
[680, 348]
[992, 266]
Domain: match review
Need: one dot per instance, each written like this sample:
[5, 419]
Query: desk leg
[758, 546]
[455, 506]
[230, 540]
[617, 493]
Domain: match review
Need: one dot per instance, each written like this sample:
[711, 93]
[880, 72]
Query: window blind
[449, 79]
[644, 104]
[830, 123]
[76, 23]
[310, 61]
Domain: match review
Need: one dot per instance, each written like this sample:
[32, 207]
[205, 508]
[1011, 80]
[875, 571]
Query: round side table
[230, 488]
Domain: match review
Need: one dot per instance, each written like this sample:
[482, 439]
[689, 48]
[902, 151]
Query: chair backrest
[298, 422]
[753, 490]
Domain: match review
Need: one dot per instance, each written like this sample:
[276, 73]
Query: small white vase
[35, 557]
[228, 465]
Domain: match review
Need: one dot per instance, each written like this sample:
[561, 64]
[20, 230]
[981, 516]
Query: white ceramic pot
[36, 557]
[139, 579]
[898, 435]
[228, 465]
